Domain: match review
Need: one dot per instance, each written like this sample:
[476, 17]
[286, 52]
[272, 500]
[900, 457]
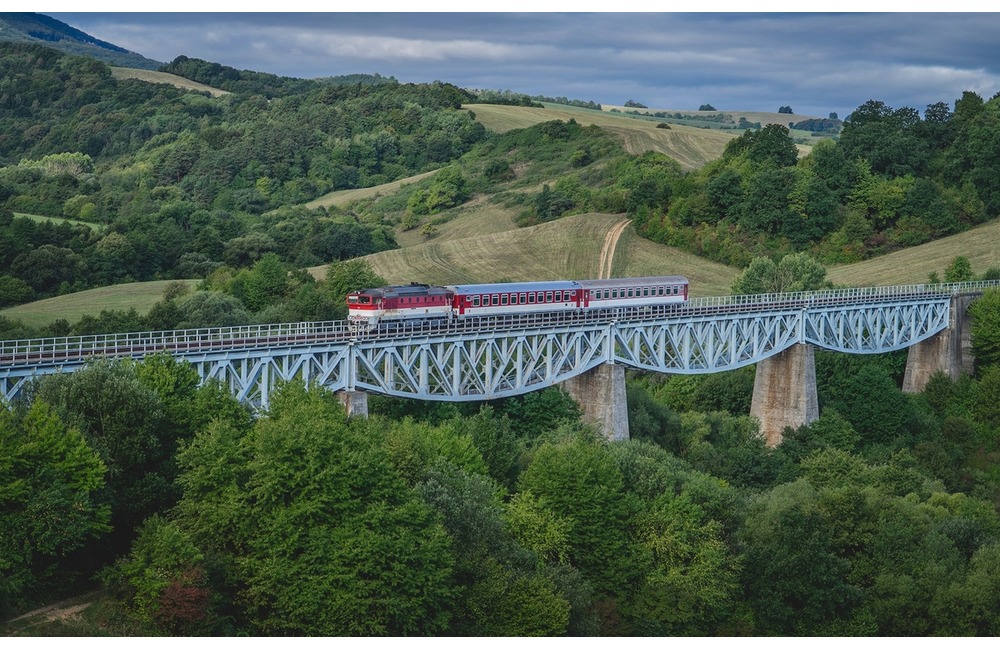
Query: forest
[511, 518]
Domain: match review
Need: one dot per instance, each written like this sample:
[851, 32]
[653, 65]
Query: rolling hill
[44, 30]
[140, 295]
[570, 247]
[691, 146]
[152, 76]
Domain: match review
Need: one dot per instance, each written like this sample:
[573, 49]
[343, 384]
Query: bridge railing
[63, 349]
[56, 350]
[808, 298]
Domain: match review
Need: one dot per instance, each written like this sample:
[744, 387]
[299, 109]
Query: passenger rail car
[369, 307]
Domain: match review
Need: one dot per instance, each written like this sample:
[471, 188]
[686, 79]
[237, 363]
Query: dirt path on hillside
[64, 609]
[608, 249]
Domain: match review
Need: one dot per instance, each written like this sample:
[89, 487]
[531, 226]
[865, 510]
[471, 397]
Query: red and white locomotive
[420, 301]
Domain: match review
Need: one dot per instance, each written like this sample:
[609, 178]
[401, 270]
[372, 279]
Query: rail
[74, 349]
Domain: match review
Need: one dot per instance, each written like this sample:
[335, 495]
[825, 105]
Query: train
[412, 302]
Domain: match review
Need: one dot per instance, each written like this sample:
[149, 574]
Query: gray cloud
[815, 63]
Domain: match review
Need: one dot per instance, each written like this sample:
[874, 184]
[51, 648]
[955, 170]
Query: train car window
[675, 289]
[548, 296]
[531, 298]
[523, 299]
[496, 299]
[475, 301]
[503, 299]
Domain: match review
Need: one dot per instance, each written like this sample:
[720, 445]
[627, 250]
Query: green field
[567, 248]
[57, 220]
[690, 146]
[141, 295]
[485, 246]
[342, 198]
[479, 241]
[913, 265]
[154, 77]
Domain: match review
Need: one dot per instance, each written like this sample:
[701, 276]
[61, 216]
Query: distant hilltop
[40, 29]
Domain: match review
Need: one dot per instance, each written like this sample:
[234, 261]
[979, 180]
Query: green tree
[162, 581]
[539, 412]
[693, 585]
[960, 270]
[351, 275]
[794, 580]
[265, 284]
[124, 421]
[985, 328]
[494, 437]
[872, 402]
[45, 268]
[507, 602]
[50, 507]
[210, 309]
[324, 535]
[14, 291]
[579, 482]
[725, 192]
[765, 207]
[887, 138]
[795, 272]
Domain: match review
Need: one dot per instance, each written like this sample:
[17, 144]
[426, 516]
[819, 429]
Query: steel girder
[479, 366]
[706, 344]
[876, 328]
[471, 365]
[712, 343]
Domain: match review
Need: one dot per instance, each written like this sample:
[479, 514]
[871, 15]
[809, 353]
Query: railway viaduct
[587, 354]
[784, 393]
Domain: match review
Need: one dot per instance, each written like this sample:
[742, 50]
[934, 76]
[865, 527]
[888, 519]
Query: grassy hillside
[567, 248]
[481, 247]
[342, 198]
[913, 265]
[141, 295]
[763, 117]
[58, 220]
[164, 78]
[691, 147]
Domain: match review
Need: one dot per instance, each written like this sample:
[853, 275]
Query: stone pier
[949, 351]
[355, 401]
[600, 392]
[784, 392]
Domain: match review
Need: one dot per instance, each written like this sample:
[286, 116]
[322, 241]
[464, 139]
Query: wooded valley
[512, 518]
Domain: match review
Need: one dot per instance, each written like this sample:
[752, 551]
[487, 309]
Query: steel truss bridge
[491, 357]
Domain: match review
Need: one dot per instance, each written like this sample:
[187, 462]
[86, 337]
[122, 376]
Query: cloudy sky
[815, 63]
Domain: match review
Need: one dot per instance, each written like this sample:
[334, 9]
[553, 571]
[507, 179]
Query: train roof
[413, 289]
[649, 281]
[514, 287]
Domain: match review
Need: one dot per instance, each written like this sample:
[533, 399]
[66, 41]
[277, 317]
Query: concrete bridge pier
[355, 401]
[949, 351]
[784, 392]
[600, 392]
